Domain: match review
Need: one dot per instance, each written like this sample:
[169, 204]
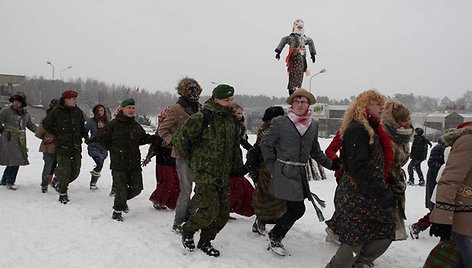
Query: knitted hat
[300, 92]
[222, 91]
[271, 112]
[19, 97]
[69, 94]
[127, 102]
[419, 131]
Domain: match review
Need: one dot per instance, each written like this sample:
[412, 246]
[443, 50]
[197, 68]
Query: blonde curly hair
[357, 111]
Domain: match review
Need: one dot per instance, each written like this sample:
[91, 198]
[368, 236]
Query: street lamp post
[48, 62]
[60, 73]
[320, 72]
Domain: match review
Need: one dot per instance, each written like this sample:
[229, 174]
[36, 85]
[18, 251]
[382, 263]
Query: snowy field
[38, 231]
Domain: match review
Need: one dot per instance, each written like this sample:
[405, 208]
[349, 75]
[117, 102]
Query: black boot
[208, 248]
[63, 198]
[117, 216]
[187, 240]
[94, 179]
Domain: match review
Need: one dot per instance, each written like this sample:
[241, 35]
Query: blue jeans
[464, 243]
[9, 175]
[98, 155]
[49, 162]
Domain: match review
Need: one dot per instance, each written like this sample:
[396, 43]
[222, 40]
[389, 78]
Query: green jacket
[122, 137]
[213, 150]
[67, 124]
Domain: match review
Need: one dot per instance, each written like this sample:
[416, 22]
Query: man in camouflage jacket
[213, 153]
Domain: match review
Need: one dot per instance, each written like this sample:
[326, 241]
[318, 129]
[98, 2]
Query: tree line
[41, 91]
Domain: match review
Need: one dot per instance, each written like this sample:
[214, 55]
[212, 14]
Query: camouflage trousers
[68, 169]
[212, 211]
[128, 184]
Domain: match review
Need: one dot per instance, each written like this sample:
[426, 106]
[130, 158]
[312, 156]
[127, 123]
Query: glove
[277, 56]
[337, 165]
[386, 200]
[313, 59]
[441, 230]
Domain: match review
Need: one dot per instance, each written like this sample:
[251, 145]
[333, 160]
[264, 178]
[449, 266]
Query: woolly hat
[222, 91]
[127, 102]
[300, 92]
[19, 97]
[69, 94]
[271, 112]
[419, 131]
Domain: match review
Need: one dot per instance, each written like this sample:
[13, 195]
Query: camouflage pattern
[212, 151]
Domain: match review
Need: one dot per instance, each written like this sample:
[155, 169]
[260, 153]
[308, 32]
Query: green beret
[223, 91]
[127, 102]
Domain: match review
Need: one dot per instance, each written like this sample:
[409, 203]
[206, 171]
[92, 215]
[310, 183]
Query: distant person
[66, 122]
[47, 147]
[287, 147]
[213, 153]
[239, 113]
[122, 137]
[187, 104]
[14, 120]
[419, 152]
[95, 125]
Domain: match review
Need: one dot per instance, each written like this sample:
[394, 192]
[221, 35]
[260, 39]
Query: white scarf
[301, 122]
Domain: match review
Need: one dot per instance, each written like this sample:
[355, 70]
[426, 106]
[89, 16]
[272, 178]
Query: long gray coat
[283, 141]
[11, 152]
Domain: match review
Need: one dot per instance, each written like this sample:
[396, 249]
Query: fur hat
[189, 87]
[271, 112]
[127, 102]
[300, 92]
[69, 94]
[19, 96]
[222, 91]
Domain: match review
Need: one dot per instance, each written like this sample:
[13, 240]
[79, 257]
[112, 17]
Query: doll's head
[298, 27]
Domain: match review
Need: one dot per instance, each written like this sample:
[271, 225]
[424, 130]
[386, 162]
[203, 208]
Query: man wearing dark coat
[419, 152]
[67, 123]
[122, 137]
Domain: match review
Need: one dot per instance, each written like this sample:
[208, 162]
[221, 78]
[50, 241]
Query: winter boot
[44, 189]
[208, 248]
[177, 228]
[187, 241]
[259, 227]
[94, 179]
[11, 187]
[117, 215]
[421, 183]
[158, 206]
[275, 244]
[414, 232]
[63, 198]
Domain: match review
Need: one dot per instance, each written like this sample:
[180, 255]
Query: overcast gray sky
[402, 46]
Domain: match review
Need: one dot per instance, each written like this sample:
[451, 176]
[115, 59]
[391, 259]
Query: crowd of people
[198, 147]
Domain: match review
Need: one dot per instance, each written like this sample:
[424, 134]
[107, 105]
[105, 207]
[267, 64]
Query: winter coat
[67, 124]
[436, 156]
[212, 151]
[47, 140]
[419, 148]
[13, 148]
[331, 152]
[295, 40]
[454, 189]
[401, 152]
[283, 143]
[94, 148]
[175, 118]
[359, 218]
[122, 136]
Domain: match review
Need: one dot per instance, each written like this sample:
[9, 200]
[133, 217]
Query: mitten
[441, 230]
[277, 56]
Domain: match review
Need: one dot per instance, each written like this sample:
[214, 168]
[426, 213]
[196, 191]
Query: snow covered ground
[38, 231]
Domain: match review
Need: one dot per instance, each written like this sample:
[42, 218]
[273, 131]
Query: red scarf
[386, 144]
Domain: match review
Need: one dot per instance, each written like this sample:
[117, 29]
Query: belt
[292, 163]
